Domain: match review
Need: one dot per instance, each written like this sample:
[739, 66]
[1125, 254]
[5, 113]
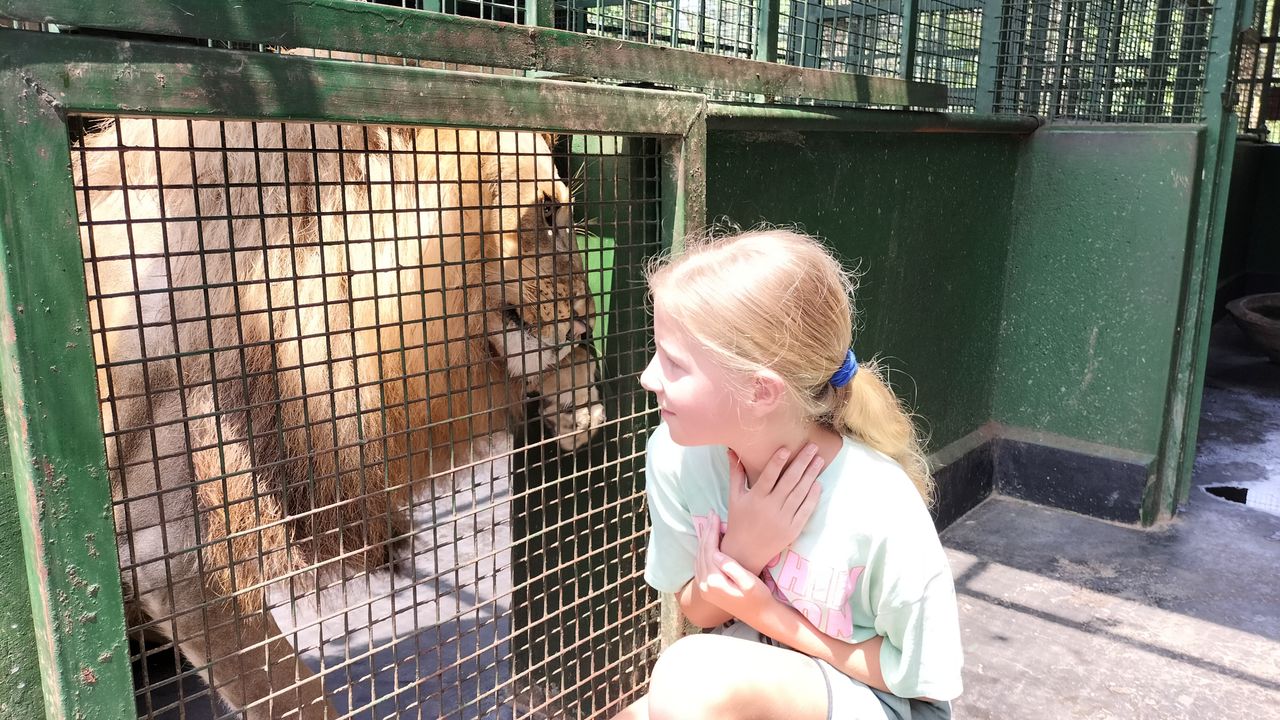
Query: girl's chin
[686, 440]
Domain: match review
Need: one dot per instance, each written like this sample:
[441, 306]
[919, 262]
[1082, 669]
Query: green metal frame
[46, 359]
[910, 30]
[1191, 347]
[988, 57]
[377, 29]
[768, 13]
[21, 696]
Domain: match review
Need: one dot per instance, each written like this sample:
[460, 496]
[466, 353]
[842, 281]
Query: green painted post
[988, 58]
[1113, 61]
[684, 167]
[907, 49]
[541, 13]
[768, 13]
[21, 696]
[1172, 481]
[51, 408]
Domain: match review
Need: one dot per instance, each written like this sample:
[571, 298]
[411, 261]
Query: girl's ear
[767, 392]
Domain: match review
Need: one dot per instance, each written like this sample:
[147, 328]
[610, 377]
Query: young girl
[788, 497]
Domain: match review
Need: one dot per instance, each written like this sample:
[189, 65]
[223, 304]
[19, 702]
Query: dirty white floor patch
[1239, 441]
[431, 643]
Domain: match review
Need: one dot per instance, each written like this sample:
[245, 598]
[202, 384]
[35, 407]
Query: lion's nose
[579, 331]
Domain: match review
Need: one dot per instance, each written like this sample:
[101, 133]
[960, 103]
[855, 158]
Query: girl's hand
[723, 582]
[767, 517]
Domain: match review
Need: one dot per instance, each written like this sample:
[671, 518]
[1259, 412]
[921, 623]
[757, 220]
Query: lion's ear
[550, 139]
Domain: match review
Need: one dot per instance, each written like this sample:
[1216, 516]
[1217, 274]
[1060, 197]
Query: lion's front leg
[569, 402]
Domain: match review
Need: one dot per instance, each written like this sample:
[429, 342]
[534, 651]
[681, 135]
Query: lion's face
[535, 274]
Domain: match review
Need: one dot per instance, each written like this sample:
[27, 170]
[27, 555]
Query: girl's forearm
[860, 661]
[699, 610]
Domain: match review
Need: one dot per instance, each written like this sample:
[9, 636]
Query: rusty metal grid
[1257, 72]
[721, 27]
[1137, 61]
[861, 36]
[947, 50]
[511, 11]
[456, 535]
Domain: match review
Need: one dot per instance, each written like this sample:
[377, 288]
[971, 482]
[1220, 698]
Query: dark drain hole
[1226, 492]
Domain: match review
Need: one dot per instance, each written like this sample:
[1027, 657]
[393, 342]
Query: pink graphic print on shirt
[819, 592]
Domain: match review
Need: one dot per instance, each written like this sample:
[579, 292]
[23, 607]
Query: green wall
[1032, 280]
[1094, 274]
[924, 216]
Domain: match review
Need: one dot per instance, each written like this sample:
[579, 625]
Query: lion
[298, 327]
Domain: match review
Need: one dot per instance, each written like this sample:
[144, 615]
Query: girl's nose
[648, 378]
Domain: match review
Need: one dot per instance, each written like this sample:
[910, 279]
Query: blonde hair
[777, 299]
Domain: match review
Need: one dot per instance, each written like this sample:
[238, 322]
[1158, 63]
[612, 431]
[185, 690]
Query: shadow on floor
[1066, 616]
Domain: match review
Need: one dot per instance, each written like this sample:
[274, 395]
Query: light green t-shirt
[868, 563]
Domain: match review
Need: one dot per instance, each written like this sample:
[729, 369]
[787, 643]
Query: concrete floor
[436, 647]
[1065, 616]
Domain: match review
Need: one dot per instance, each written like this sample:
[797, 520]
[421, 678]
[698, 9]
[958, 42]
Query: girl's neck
[757, 448]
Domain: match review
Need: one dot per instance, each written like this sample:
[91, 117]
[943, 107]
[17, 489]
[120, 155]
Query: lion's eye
[549, 213]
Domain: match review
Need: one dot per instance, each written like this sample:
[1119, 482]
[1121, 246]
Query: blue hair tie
[847, 370]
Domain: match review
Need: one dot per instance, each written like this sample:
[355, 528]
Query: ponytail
[868, 411]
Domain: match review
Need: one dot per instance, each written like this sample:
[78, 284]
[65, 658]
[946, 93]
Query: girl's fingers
[803, 487]
[798, 469]
[772, 471]
[809, 504]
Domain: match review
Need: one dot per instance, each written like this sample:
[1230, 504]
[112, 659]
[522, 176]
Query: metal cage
[1141, 61]
[321, 365]
[366, 368]
[1256, 76]
[257, 294]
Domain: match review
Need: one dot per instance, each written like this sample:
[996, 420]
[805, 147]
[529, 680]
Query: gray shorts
[848, 699]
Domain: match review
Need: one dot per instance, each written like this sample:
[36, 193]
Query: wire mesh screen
[721, 27]
[861, 36]
[512, 11]
[1104, 60]
[1258, 104]
[948, 41]
[371, 414]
